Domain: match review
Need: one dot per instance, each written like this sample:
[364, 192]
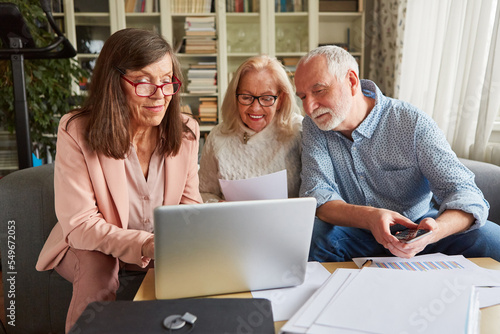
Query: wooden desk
[490, 317]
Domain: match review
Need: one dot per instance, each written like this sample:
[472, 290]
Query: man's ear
[353, 80]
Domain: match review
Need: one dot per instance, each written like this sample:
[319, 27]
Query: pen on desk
[367, 263]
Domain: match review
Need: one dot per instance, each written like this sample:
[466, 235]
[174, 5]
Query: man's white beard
[329, 122]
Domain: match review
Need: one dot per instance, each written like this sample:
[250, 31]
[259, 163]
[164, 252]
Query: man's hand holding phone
[411, 235]
[384, 223]
[411, 241]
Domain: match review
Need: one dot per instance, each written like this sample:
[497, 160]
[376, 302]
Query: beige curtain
[386, 29]
[451, 69]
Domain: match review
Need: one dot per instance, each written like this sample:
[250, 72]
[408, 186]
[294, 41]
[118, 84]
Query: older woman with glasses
[260, 132]
[127, 150]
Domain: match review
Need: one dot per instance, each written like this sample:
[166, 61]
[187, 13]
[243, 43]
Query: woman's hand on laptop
[148, 247]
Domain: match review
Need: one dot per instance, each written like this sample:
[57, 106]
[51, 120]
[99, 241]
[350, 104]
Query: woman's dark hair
[106, 109]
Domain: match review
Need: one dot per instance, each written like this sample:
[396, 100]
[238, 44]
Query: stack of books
[207, 111]
[200, 34]
[202, 78]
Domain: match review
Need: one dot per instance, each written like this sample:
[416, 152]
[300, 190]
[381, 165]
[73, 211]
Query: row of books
[202, 78]
[207, 110]
[141, 6]
[242, 6]
[284, 6]
[193, 6]
[253, 6]
[200, 34]
[281, 6]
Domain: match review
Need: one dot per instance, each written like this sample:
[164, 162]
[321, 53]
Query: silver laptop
[217, 248]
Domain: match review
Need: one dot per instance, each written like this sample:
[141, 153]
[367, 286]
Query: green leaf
[47, 81]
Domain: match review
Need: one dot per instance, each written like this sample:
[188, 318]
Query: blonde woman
[260, 132]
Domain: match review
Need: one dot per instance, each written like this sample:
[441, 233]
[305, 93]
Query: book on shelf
[208, 119]
[204, 65]
[212, 99]
[206, 33]
[199, 23]
[200, 51]
[202, 90]
[205, 21]
[202, 73]
[199, 48]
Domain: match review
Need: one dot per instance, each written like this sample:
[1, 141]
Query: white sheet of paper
[489, 296]
[270, 186]
[287, 301]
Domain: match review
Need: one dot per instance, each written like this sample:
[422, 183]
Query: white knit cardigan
[228, 157]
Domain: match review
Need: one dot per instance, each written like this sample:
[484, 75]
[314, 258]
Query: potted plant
[48, 84]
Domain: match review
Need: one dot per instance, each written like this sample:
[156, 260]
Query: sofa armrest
[27, 216]
[488, 180]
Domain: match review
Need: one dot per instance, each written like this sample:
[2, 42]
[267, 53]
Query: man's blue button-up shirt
[398, 160]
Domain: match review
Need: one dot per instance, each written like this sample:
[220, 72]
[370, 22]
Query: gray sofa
[27, 213]
[488, 180]
[42, 298]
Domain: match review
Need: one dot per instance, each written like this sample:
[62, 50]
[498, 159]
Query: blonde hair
[283, 118]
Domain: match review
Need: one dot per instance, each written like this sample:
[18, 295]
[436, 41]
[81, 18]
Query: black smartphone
[410, 235]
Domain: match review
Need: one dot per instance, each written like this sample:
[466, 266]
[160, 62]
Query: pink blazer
[91, 197]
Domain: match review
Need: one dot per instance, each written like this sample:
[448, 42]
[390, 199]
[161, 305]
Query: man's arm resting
[450, 222]
[379, 221]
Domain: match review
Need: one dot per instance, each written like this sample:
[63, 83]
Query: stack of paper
[374, 300]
